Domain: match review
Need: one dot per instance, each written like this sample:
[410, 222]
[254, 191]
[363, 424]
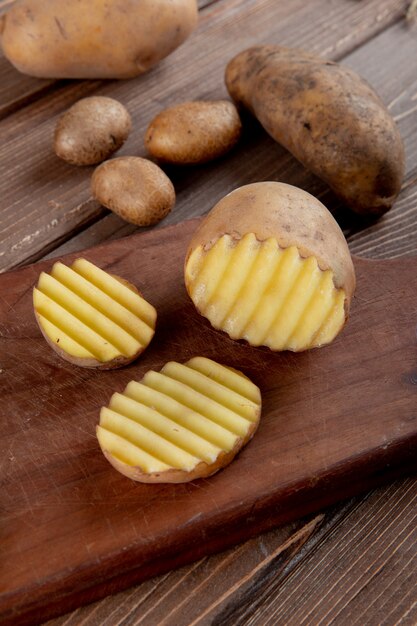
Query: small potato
[135, 189]
[194, 132]
[93, 38]
[328, 117]
[270, 265]
[91, 130]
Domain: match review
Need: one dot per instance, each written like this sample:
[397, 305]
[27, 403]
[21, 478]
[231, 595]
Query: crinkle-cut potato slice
[92, 318]
[271, 266]
[185, 422]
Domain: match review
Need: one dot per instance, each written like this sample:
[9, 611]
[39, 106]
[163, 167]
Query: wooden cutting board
[335, 422]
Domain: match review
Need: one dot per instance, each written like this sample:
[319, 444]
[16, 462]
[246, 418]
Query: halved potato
[270, 265]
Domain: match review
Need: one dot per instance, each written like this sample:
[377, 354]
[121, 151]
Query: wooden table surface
[355, 563]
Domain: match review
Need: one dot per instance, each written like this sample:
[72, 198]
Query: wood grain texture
[387, 61]
[53, 198]
[353, 565]
[356, 561]
[103, 531]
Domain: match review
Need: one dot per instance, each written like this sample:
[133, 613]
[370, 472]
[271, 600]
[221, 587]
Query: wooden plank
[314, 446]
[46, 201]
[203, 590]
[359, 557]
[353, 576]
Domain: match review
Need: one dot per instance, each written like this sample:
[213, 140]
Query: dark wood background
[355, 563]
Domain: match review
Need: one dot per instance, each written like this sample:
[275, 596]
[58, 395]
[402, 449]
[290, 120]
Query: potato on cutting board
[92, 318]
[185, 422]
[269, 264]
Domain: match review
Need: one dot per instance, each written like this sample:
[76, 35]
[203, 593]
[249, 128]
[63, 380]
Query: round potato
[186, 422]
[135, 189]
[91, 130]
[91, 318]
[269, 264]
[92, 39]
[194, 132]
[328, 117]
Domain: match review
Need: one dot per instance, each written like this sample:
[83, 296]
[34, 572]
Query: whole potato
[92, 38]
[194, 132]
[269, 264]
[328, 117]
[91, 130]
[135, 189]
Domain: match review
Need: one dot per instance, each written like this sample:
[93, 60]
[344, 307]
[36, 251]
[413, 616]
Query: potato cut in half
[185, 422]
[92, 318]
[271, 266]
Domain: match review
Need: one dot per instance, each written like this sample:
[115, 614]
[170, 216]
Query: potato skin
[91, 130]
[194, 132]
[290, 215]
[135, 189]
[92, 38]
[328, 117]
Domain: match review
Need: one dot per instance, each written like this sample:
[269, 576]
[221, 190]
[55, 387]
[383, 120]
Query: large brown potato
[328, 117]
[92, 38]
[270, 265]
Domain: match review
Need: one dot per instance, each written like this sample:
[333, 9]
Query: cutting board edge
[380, 466]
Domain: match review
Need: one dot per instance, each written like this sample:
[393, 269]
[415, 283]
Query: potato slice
[185, 422]
[92, 318]
[270, 265]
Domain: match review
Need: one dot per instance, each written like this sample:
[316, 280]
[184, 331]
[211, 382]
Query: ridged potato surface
[185, 422]
[328, 117]
[269, 264]
[94, 38]
[92, 318]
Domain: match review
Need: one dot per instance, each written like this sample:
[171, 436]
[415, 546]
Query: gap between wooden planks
[45, 201]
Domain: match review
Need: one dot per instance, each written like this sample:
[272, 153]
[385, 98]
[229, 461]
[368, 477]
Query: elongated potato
[92, 38]
[269, 264]
[185, 422]
[328, 117]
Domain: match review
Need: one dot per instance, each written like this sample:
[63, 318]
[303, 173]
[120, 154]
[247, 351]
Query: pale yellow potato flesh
[90, 315]
[183, 422]
[267, 295]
